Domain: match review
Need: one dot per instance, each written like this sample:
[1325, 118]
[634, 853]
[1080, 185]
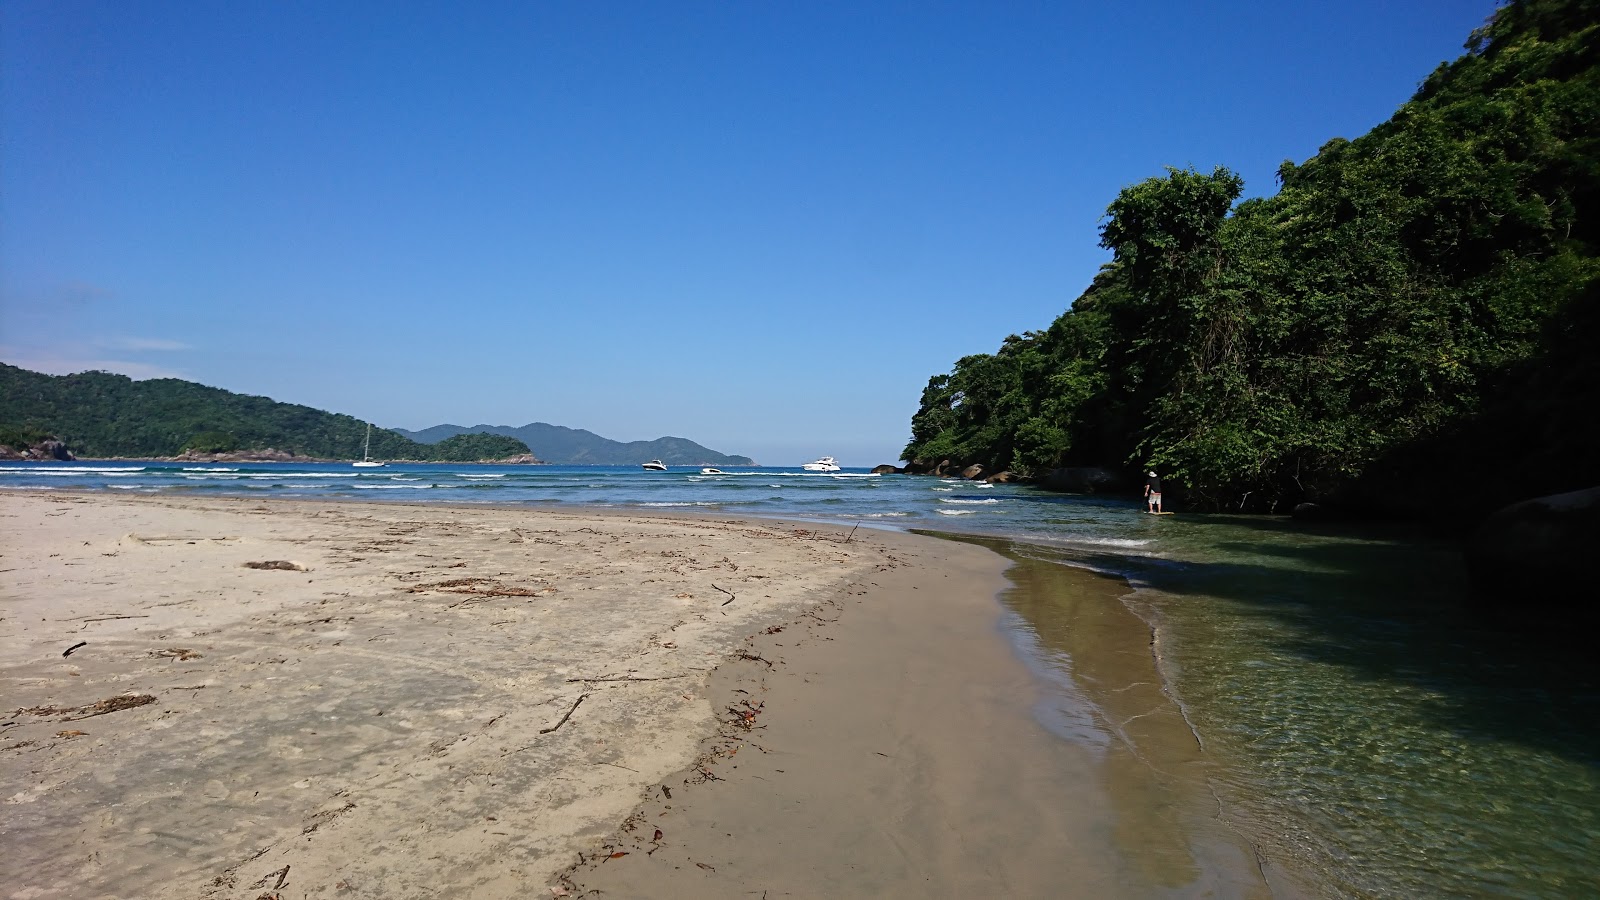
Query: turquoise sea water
[1365, 735]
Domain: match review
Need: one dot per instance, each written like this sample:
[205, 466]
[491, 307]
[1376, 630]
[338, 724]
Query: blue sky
[762, 226]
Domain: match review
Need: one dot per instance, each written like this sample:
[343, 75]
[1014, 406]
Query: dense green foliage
[98, 414]
[22, 438]
[474, 447]
[577, 447]
[1405, 313]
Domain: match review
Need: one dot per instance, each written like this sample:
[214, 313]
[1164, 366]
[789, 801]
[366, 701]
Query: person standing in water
[1152, 492]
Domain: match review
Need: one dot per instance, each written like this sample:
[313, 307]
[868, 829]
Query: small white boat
[655, 465]
[367, 462]
[825, 464]
[708, 470]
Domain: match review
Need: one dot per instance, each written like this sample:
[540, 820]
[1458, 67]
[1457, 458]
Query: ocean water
[1367, 737]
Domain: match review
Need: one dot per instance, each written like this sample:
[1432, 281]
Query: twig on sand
[622, 678]
[87, 619]
[852, 533]
[68, 651]
[728, 592]
[570, 711]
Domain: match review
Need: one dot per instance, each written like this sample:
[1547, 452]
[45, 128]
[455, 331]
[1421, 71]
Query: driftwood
[728, 592]
[98, 708]
[280, 564]
[68, 651]
[622, 678]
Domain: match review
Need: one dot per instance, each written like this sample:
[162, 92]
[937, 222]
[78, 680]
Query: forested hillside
[98, 414]
[577, 447]
[1403, 326]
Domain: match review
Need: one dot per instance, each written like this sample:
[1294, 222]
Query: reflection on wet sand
[1073, 629]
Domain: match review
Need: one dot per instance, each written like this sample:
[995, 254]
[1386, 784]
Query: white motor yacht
[825, 464]
[708, 470]
[655, 465]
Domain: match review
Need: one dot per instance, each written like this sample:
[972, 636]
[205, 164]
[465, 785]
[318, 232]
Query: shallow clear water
[1365, 735]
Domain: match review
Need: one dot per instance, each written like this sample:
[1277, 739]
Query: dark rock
[972, 472]
[887, 469]
[1538, 550]
[1310, 512]
[43, 450]
[1084, 480]
[1006, 477]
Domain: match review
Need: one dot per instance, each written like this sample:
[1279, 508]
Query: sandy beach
[408, 701]
[235, 699]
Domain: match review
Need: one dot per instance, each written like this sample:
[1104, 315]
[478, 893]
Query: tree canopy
[1404, 312]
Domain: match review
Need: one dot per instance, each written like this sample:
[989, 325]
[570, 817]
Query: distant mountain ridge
[577, 447]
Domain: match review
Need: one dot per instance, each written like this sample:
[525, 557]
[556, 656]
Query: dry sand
[376, 722]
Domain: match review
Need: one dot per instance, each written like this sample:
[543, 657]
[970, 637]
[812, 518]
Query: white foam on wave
[889, 515]
[206, 469]
[1129, 543]
[484, 475]
[391, 487]
[955, 512]
[302, 475]
[958, 500]
[686, 503]
[76, 470]
[944, 488]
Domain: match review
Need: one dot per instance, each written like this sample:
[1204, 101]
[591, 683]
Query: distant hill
[577, 447]
[106, 415]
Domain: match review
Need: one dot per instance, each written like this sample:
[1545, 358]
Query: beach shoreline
[420, 703]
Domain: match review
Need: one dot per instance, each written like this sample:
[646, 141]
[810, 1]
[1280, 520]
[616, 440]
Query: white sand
[376, 725]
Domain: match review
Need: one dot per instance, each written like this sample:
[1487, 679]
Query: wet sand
[894, 748]
[436, 701]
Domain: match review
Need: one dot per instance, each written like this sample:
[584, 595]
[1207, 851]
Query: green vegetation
[22, 438]
[576, 447]
[98, 414]
[473, 447]
[1399, 325]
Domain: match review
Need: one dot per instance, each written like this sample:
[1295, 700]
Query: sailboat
[367, 462]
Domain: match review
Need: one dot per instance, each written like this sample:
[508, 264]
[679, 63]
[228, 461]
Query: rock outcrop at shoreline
[267, 455]
[43, 450]
[1084, 480]
[1537, 548]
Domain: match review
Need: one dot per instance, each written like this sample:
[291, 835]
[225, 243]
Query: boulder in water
[1538, 549]
[1084, 480]
[887, 469]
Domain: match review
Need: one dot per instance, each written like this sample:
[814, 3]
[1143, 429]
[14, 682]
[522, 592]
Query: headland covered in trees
[99, 414]
[1401, 328]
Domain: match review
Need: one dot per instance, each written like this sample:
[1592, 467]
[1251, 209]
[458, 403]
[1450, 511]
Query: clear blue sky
[758, 225]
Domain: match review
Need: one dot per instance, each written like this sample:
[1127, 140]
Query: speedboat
[708, 470]
[825, 464]
[655, 465]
